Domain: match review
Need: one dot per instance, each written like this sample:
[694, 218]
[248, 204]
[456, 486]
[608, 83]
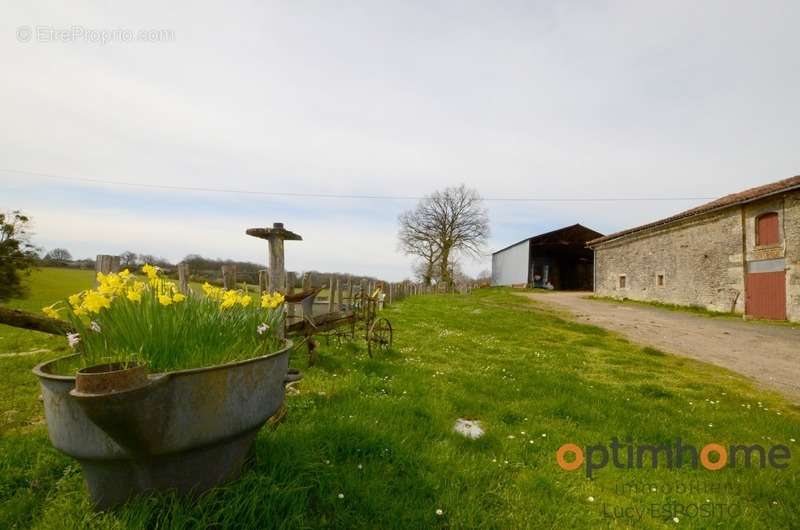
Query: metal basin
[188, 430]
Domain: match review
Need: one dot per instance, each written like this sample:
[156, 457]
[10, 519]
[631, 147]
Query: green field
[368, 443]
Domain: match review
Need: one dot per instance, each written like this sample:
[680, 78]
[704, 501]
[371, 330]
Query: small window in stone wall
[623, 281]
[660, 280]
[767, 230]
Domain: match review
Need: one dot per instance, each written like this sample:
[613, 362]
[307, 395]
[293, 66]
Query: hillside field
[369, 442]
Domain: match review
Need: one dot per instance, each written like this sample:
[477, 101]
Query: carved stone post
[276, 236]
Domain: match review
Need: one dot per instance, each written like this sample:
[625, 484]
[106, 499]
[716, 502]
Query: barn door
[766, 295]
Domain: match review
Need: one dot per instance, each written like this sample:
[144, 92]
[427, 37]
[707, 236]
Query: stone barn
[740, 253]
[559, 260]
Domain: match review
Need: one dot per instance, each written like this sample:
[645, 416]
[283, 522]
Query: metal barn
[556, 260]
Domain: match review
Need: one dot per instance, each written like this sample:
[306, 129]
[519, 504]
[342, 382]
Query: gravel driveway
[770, 354]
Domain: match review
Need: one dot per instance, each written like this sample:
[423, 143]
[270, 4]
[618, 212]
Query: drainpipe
[744, 261]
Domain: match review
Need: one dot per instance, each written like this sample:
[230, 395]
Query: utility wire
[336, 195]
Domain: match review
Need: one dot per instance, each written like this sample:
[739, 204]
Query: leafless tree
[128, 259]
[445, 224]
[58, 255]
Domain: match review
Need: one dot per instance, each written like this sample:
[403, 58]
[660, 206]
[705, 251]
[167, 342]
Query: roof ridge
[726, 201]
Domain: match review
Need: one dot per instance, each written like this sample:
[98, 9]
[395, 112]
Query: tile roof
[723, 202]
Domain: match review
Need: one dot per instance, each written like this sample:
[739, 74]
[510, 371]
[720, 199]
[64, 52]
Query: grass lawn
[368, 443]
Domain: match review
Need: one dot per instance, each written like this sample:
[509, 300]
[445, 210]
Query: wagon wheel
[379, 337]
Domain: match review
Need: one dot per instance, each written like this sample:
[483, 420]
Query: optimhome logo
[628, 455]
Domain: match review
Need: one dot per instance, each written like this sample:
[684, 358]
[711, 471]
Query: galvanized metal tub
[188, 430]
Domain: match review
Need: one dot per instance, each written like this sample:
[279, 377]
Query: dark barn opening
[561, 260]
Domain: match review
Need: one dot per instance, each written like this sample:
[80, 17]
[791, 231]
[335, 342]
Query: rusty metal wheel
[379, 337]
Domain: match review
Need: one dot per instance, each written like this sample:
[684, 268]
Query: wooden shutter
[767, 232]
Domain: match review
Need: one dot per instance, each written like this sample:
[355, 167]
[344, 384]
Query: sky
[537, 99]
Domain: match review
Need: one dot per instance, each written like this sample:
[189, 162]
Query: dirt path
[769, 354]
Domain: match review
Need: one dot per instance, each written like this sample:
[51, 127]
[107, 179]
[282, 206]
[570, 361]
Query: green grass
[379, 432]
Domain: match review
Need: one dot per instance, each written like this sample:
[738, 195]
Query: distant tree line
[201, 269]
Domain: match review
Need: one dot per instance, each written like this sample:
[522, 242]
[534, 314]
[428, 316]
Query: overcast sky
[529, 99]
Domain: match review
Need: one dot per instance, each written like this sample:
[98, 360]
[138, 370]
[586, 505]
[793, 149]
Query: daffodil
[134, 296]
[212, 292]
[50, 311]
[150, 271]
[178, 297]
[164, 299]
[229, 299]
[110, 284]
[245, 300]
[271, 301]
[75, 300]
[94, 301]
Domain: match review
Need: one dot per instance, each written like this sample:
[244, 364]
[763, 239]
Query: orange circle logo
[713, 448]
[569, 448]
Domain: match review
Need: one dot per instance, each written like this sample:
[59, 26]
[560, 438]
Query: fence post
[350, 292]
[183, 277]
[363, 292]
[338, 293]
[289, 289]
[229, 276]
[263, 281]
[331, 294]
[306, 281]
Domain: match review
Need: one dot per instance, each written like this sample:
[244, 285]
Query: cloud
[548, 99]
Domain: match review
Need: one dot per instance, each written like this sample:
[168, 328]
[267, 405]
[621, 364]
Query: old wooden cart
[354, 316]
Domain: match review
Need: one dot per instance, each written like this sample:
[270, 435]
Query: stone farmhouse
[739, 253]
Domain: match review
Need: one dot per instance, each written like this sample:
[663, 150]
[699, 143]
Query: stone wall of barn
[699, 262]
[791, 229]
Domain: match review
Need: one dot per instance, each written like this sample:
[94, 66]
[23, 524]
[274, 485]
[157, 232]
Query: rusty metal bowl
[187, 430]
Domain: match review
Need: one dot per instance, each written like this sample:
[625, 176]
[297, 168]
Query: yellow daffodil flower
[50, 311]
[75, 300]
[150, 271]
[271, 301]
[229, 299]
[94, 301]
[134, 295]
[178, 298]
[164, 299]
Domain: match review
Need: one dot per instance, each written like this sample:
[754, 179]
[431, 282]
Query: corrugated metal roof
[551, 237]
[727, 201]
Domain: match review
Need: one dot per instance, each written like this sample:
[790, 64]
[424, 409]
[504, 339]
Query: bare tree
[58, 255]
[447, 223]
[128, 259]
[484, 277]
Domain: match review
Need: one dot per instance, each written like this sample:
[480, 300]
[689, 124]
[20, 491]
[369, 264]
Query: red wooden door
[766, 295]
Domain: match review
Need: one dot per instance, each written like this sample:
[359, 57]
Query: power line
[336, 195]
